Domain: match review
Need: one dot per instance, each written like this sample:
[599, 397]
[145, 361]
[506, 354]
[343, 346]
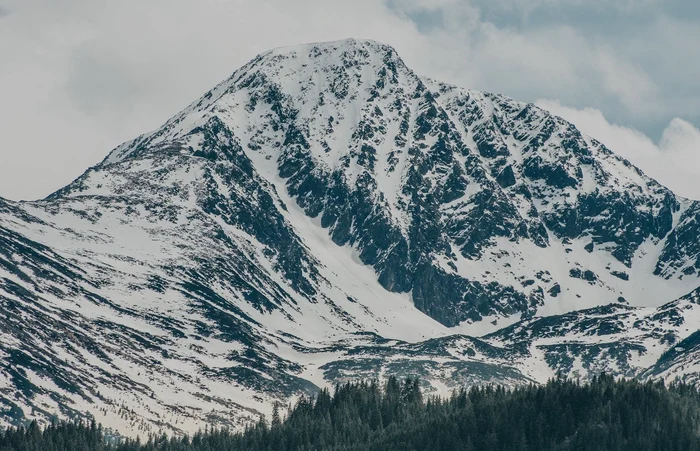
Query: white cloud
[630, 84]
[674, 161]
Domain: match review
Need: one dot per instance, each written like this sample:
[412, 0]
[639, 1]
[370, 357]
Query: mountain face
[325, 214]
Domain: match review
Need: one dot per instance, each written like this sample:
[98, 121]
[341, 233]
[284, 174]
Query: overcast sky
[77, 77]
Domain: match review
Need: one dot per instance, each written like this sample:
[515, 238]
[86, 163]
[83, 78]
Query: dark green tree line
[563, 415]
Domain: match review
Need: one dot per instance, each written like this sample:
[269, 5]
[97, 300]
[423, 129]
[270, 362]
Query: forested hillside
[562, 415]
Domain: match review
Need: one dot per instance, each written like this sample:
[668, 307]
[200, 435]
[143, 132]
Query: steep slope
[326, 214]
[423, 180]
[588, 201]
[681, 361]
[176, 292]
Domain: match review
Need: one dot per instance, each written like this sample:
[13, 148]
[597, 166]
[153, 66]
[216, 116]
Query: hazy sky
[77, 77]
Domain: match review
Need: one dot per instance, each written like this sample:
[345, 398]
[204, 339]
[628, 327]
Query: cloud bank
[674, 160]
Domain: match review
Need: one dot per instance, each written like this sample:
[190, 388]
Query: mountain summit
[326, 214]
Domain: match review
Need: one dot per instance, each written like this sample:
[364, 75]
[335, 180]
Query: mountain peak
[340, 45]
[351, 55]
[300, 71]
[310, 219]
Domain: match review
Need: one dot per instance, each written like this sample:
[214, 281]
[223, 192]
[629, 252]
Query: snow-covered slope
[325, 214]
[617, 339]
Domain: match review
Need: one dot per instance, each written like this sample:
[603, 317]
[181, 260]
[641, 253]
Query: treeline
[563, 415]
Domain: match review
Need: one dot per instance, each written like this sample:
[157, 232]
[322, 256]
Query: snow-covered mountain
[326, 214]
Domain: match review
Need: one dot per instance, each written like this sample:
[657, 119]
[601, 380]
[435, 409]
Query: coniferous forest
[562, 415]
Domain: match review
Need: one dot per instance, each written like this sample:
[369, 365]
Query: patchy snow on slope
[325, 214]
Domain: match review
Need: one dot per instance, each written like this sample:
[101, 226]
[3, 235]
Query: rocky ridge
[326, 214]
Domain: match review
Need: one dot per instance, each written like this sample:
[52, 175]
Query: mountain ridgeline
[325, 215]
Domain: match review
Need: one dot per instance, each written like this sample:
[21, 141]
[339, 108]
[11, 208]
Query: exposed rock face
[323, 214]
[424, 180]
